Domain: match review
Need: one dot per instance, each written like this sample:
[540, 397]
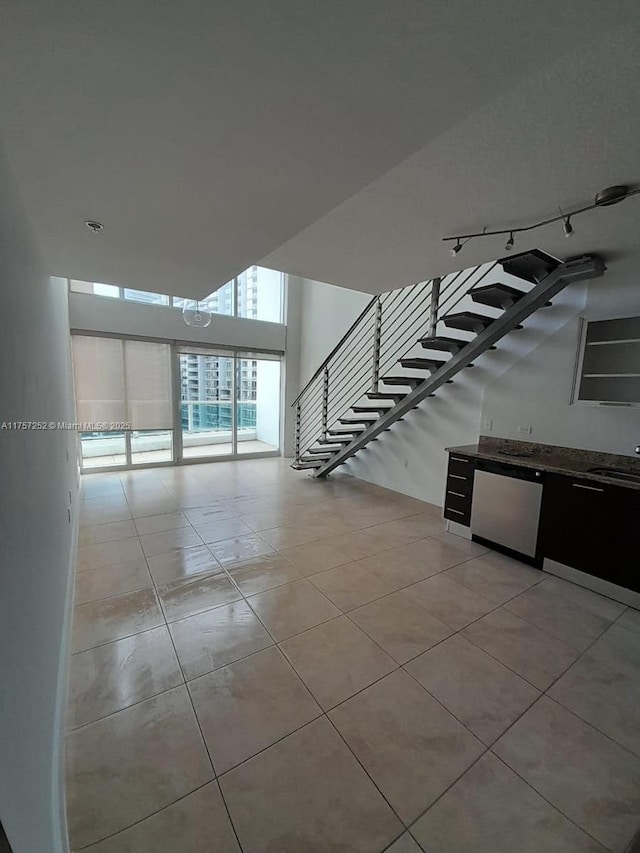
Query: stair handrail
[343, 371]
[338, 346]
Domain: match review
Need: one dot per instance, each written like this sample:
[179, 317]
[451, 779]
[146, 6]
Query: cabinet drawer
[461, 483]
[458, 515]
[458, 500]
[461, 465]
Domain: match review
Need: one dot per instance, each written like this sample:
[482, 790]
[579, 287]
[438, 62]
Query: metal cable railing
[389, 328]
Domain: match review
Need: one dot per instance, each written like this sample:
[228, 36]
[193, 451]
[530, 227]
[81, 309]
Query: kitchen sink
[617, 473]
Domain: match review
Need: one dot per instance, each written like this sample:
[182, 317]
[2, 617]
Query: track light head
[611, 195]
[453, 251]
[509, 244]
[567, 227]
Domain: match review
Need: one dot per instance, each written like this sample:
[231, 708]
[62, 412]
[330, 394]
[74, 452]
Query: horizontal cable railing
[388, 329]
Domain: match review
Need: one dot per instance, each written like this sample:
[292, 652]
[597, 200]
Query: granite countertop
[548, 457]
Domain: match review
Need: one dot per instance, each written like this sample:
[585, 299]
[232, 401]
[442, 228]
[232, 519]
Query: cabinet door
[587, 525]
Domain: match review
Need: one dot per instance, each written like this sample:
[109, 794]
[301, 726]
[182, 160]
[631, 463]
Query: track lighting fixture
[605, 198]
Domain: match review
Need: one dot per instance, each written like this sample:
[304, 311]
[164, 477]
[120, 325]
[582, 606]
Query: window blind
[121, 380]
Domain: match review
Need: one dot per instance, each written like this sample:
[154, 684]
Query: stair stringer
[578, 269]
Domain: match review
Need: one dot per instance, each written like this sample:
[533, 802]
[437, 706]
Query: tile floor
[274, 664]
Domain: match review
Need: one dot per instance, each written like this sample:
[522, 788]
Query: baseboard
[458, 529]
[611, 590]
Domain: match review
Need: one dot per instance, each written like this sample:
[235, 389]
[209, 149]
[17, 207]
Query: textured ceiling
[553, 140]
[208, 136]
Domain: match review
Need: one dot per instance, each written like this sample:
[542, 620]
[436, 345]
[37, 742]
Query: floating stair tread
[354, 431]
[339, 441]
[497, 295]
[443, 344]
[360, 420]
[389, 395]
[533, 266]
[371, 408]
[455, 347]
[468, 321]
[300, 466]
[421, 363]
[411, 381]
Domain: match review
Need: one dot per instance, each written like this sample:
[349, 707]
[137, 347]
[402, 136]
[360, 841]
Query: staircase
[407, 343]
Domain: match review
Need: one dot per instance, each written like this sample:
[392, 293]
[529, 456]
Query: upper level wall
[327, 313]
[123, 317]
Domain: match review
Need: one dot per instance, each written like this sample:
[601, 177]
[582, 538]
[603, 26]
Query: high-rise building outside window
[255, 294]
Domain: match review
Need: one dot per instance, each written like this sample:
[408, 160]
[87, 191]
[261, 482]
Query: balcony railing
[217, 415]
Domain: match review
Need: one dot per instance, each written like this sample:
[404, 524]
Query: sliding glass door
[258, 405]
[151, 402]
[206, 405]
[229, 404]
[123, 401]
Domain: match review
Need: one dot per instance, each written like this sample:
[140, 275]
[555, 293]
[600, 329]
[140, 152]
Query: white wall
[291, 379]
[317, 316]
[327, 313]
[536, 391]
[37, 538]
[268, 402]
[121, 317]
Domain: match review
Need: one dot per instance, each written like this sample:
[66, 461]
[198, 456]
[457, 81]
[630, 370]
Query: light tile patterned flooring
[276, 664]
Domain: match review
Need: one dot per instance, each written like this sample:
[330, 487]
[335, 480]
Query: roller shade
[121, 380]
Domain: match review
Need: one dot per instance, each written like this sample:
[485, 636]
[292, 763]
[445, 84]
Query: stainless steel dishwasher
[505, 510]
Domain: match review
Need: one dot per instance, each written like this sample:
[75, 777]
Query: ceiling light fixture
[94, 226]
[605, 198]
[196, 314]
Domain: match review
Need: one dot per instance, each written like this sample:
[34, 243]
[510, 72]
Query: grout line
[124, 708]
[197, 720]
[142, 820]
[114, 595]
[277, 644]
[543, 797]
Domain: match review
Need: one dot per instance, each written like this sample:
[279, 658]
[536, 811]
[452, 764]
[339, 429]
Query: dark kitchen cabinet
[593, 527]
[459, 492]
